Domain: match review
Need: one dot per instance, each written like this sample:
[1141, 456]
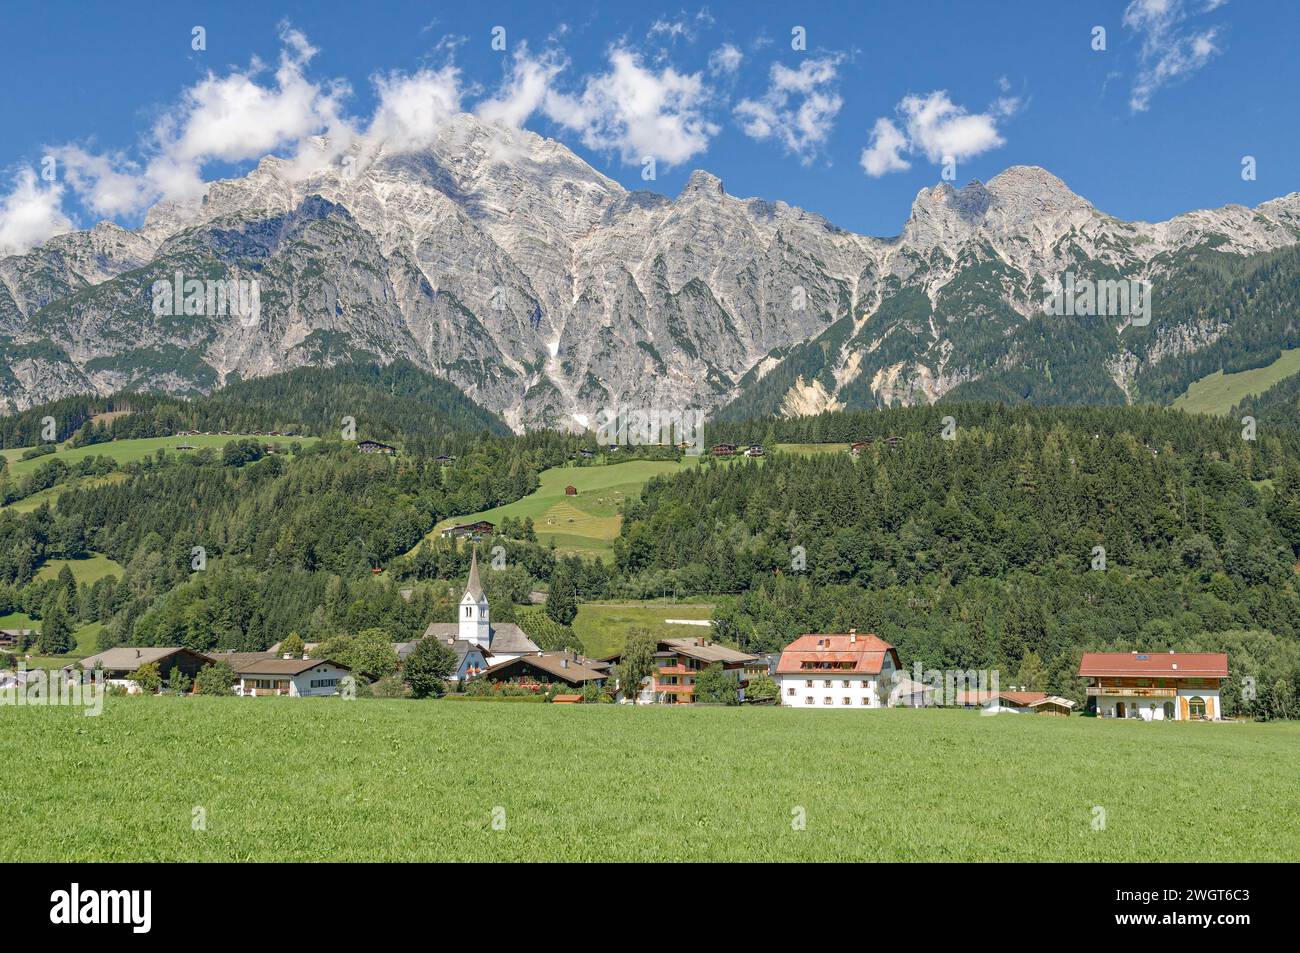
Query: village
[817, 670]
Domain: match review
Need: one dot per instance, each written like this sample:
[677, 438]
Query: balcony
[677, 669]
[675, 689]
[1095, 691]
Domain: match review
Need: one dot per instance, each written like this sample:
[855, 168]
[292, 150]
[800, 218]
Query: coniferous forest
[981, 536]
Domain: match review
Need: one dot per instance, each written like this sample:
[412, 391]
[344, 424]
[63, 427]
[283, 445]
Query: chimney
[289, 655]
[137, 653]
[564, 662]
[853, 636]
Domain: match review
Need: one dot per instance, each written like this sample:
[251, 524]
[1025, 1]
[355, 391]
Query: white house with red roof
[836, 671]
[1155, 686]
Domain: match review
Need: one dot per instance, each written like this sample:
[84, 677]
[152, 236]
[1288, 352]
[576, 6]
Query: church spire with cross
[474, 625]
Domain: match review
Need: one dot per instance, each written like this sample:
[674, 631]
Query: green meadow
[586, 524]
[1218, 393]
[88, 570]
[602, 627]
[129, 451]
[280, 779]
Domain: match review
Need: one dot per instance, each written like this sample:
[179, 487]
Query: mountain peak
[701, 183]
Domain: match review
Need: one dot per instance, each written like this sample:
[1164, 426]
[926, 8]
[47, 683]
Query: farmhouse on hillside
[570, 490]
[840, 671]
[476, 530]
[374, 446]
[501, 642]
[1154, 686]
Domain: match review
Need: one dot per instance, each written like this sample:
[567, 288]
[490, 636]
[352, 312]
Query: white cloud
[1170, 50]
[525, 91]
[413, 109]
[884, 153]
[638, 112]
[802, 128]
[725, 59]
[30, 214]
[232, 118]
[937, 128]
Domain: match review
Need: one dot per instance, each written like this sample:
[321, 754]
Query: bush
[713, 686]
[148, 678]
[428, 666]
[390, 686]
[215, 679]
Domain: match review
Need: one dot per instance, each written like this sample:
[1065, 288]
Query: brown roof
[129, 657]
[283, 666]
[705, 650]
[553, 663]
[866, 653]
[1160, 664]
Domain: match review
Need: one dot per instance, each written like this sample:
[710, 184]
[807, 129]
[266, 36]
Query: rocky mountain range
[501, 261]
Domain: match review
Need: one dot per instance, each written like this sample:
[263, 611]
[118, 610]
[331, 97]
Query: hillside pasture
[1218, 393]
[586, 524]
[130, 451]
[602, 627]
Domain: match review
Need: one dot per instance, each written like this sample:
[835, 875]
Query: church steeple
[475, 588]
[474, 625]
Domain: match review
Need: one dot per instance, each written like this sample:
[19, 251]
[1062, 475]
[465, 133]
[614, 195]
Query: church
[474, 634]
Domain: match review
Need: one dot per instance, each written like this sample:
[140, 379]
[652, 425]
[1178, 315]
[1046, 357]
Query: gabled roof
[128, 657]
[866, 654]
[575, 672]
[1053, 700]
[283, 666]
[1158, 664]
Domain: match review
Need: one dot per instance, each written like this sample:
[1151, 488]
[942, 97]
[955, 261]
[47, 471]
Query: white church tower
[474, 609]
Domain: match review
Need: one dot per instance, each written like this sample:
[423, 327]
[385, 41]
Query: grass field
[330, 780]
[1218, 393]
[602, 627]
[89, 570]
[588, 523]
[128, 451]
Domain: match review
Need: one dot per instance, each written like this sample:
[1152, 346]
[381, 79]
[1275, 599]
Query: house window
[848, 700]
[847, 683]
[866, 700]
[808, 684]
[808, 700]
[828, 700]
[790, 690]
[828, 683]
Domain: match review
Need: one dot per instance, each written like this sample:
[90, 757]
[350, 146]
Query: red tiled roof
[866, 652]
[1162, 664]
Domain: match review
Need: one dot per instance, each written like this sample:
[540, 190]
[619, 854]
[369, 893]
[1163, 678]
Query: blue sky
[851, 126]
